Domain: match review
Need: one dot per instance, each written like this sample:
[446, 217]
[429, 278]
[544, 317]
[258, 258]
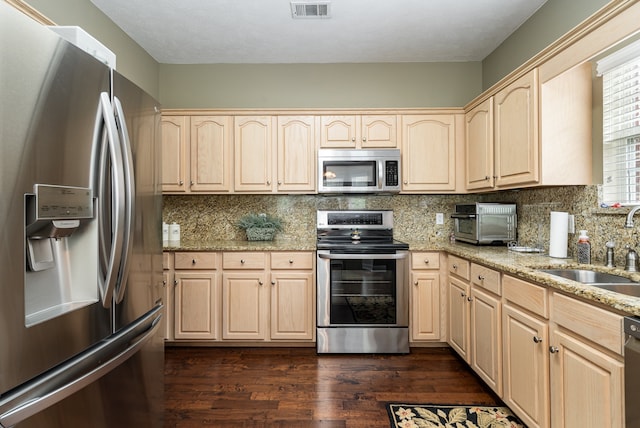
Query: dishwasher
[632, 371]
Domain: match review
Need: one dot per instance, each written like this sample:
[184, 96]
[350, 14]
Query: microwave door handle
[463, 216]
[380, 174]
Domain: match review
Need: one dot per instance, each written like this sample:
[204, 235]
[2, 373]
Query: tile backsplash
[212, 217]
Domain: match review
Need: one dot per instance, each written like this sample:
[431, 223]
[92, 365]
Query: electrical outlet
[439, 218]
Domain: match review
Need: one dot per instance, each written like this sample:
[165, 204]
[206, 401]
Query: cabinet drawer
[428, 260]
[486, 278]
[243, 260]
[292, 260]
[167, 260]
[196, 260]
[459, 267]
[598, 325]
[527, 295]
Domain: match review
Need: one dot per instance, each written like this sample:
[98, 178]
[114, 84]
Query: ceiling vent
[310, 10]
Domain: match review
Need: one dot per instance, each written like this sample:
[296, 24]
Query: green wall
[380, 85]
[554, 19]
[319, 85]
[131, 60]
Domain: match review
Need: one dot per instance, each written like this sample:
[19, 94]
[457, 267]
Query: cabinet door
[254, 152]
[587, 388]
[459, 317]
[379, 131]
[339, 132]
[196, 305]
[211, 156]
[425, 306]
[516, 132]
[175, 152]
[486, 338]
[428, 153]
[292, 305]
[525, 341]
[245, 306]
[296, 154]
[479, 147]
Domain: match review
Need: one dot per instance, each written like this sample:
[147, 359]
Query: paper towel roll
[559, 234]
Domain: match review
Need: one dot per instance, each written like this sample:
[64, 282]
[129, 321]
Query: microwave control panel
[392, 176]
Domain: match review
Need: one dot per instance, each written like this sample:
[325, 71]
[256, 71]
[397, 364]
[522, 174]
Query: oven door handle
[395, 256]
[463, 216]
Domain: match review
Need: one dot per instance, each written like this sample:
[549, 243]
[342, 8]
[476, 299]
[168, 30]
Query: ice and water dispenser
[61, 239]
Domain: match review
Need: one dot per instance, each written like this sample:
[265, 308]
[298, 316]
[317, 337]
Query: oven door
[364, 289]
[465, 227]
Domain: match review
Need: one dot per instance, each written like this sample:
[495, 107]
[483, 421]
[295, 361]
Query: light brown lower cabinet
[555, 360]
[424, 296]
[241, 296]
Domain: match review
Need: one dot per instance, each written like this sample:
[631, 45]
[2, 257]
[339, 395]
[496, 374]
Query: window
[621, 125]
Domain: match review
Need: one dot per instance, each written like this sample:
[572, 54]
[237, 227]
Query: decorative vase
[260, 233]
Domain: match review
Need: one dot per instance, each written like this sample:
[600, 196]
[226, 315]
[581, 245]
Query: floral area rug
[434, 416]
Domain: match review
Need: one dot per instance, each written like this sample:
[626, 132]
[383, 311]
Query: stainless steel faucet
[629, 222]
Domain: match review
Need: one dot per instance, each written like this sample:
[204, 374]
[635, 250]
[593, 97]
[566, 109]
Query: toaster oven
[484, 223]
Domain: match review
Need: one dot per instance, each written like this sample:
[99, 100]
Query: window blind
[621, 126]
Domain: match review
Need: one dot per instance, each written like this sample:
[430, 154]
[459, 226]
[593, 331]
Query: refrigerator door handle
[115, 234]
[82, 370]
[129, 195]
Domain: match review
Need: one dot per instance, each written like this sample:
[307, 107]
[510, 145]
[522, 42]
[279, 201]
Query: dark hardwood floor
[295, 387]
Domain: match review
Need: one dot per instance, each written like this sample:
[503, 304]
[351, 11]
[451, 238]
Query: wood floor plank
[295, 387]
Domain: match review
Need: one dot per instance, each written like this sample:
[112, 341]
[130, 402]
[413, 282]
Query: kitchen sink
[587, 276]
[606, 281]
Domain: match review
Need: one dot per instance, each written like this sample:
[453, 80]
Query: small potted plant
[260, 227]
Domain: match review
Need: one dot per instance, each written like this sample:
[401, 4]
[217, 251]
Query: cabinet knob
[553, 349]
[191, 182]
[364, 139]
[242, 261]
[353, 139]
[273, 282]
[175, 282]
[487, 178]
[290, 261]
[469, 299]
[181, 182]
[462, 294]
[537, 339]
[279, 182]
[406, 182]
[481, 278]
[164, 283]
[426, 261]
[455, 267]
[193, 261]
[415, 283]
[260, 282]
[268, 182]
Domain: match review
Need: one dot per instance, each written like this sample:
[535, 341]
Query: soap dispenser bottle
[584, 248]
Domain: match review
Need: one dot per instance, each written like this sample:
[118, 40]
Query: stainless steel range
[362, 283]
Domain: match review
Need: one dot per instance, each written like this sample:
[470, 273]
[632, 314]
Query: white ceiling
[359, 31]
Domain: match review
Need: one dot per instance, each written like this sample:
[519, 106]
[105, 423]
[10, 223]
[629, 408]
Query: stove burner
[371, 231]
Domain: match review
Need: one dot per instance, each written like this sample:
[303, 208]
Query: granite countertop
[525, 266]
[224, 245]
[522, 265]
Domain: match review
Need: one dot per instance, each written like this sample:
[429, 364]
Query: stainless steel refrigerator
[80, 238]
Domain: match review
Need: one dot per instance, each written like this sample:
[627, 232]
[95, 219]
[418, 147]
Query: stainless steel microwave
[485, 223]
[358, 171]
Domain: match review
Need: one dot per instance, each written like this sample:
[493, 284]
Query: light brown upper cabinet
[196, 154]
[540, 134]
[275, 154]
[479, 146]
[175, 151]
[358, 132]
[254, 151]
[429, 152]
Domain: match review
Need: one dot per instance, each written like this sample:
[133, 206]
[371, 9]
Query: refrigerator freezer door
[49, 102]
